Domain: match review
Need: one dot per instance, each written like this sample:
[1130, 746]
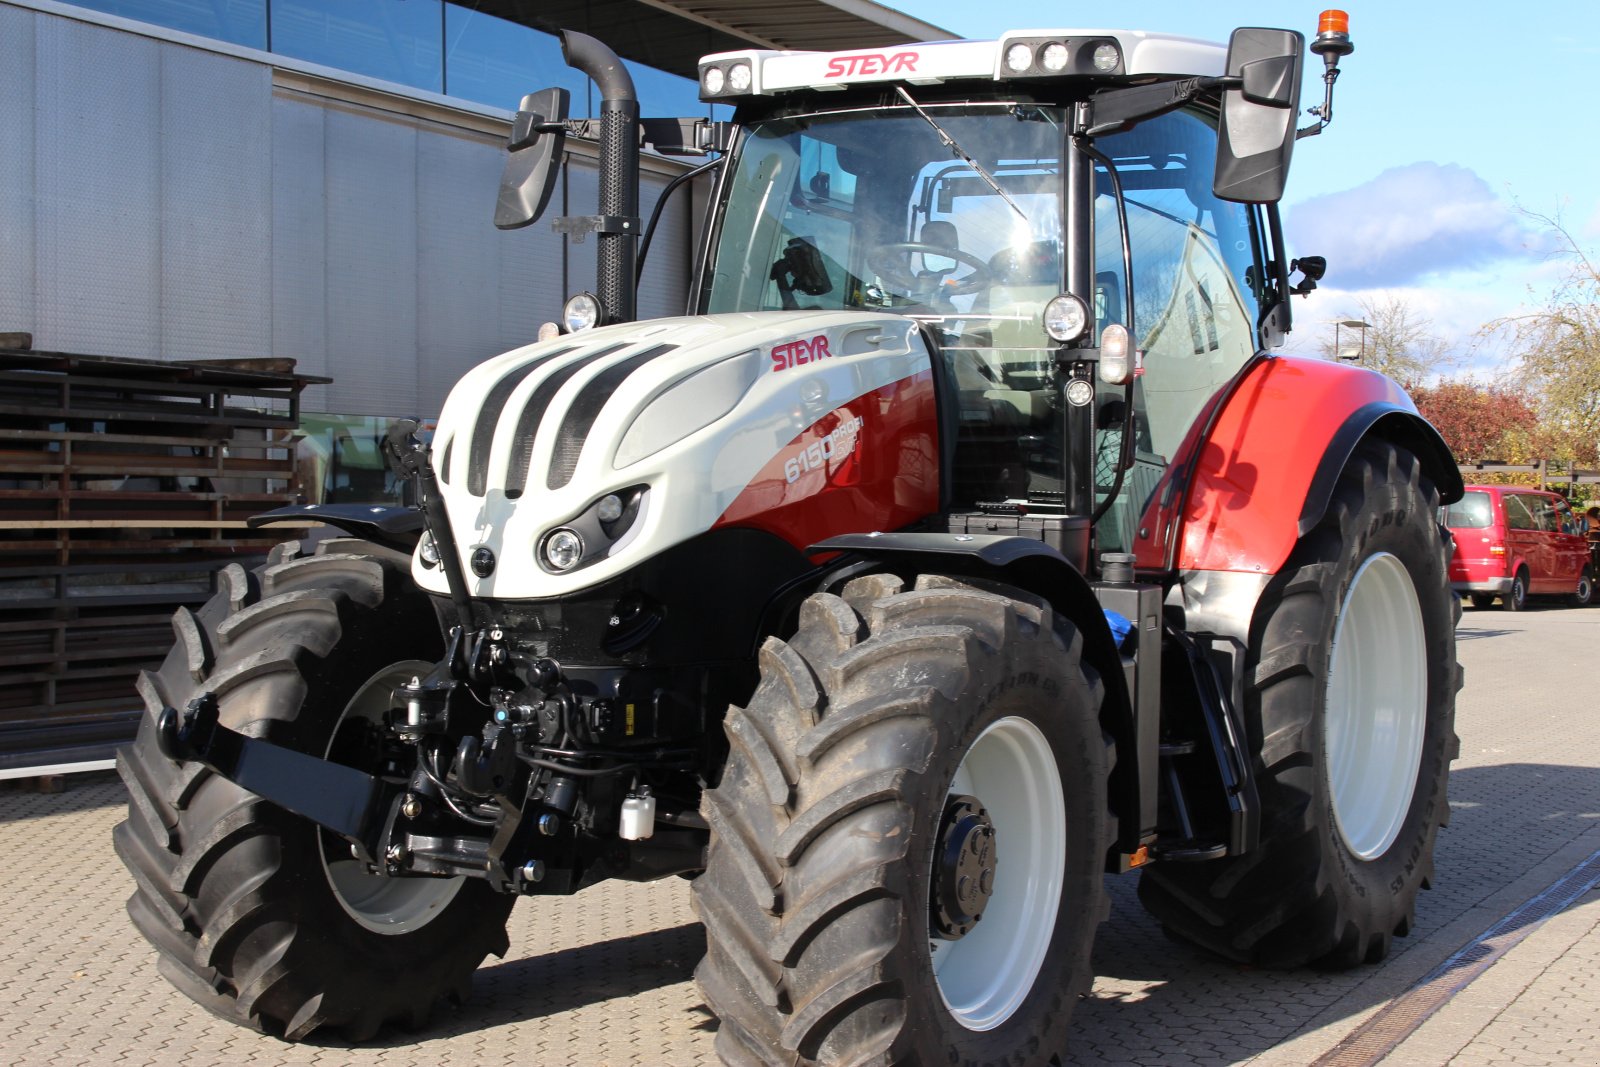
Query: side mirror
[1257, 133]
[537, 137]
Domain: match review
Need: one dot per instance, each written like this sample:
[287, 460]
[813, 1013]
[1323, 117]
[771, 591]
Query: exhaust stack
[618, 223]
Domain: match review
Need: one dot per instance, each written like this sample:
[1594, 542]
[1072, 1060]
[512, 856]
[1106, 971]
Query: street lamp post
[1356, 353]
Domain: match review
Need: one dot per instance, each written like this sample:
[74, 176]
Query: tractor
[964, 544]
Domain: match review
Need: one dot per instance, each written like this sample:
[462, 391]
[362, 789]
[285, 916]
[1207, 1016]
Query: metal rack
[124, 486]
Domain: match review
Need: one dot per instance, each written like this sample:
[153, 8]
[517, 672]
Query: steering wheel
[887, 262]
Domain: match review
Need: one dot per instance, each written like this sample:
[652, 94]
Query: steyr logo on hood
[794, 353]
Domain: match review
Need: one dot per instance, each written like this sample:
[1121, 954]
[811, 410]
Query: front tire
[258, 915]
[885, 742]
[1351, 709]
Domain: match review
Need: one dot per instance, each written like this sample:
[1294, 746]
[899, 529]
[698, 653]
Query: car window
[1471, 512]
[1565, 520]
[1544, 512]
[1518, 515]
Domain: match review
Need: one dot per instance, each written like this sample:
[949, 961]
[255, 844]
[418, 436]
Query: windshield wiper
[955, 147]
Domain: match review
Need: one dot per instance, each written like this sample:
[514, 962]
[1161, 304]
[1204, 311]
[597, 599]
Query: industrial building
[315, 179]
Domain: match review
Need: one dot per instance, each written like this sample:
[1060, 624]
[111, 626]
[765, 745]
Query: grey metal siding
[299, 238]
[162, 201]
[18, 87]
[215, 195]
[97, 207]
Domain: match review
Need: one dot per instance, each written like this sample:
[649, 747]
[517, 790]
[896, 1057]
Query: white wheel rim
[381, 904]
[985, 976]
[1377, 705]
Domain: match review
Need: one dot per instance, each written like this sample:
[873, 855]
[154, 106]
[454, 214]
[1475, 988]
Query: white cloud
[1409, 223]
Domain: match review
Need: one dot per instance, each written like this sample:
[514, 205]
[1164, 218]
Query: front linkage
[497, 764]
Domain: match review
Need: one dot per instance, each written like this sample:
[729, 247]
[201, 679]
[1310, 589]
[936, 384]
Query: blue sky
[1447, 118]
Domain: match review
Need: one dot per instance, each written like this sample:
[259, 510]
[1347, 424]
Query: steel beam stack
[124, 486]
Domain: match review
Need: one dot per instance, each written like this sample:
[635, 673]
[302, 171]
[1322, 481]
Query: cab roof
[1015, 55]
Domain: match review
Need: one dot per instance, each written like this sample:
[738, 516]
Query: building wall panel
[458, 315]
[17, 201]
[97, 172]
[371, 262]
[216, 215]
[159, 200]
[299, 296]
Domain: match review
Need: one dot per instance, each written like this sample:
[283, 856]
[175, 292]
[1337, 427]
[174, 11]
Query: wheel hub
[963, 878]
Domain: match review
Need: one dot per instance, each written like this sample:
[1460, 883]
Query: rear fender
[1267, 471]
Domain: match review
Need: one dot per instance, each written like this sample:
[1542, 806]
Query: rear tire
[256, 913]
[819, 896]
[1583, 596]
[1516, 598]
[1354, 733]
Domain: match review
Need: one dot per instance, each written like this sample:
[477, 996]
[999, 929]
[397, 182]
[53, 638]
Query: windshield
[872, 210]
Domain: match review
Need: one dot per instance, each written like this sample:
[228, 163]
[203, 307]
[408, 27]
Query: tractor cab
[1080, 223]
[852, 209]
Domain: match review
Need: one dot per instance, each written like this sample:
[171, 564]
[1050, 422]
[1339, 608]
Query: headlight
[1053, 57]
[581, 312]
[427, 551]
[563, 549]
[714, 80]
[1106, 57]
[1065, 318]
[1019, 57]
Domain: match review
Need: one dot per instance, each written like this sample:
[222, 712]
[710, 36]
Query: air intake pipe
[619, 171]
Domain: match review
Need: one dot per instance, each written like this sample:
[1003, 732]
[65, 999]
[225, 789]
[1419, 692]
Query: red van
[1514, 543]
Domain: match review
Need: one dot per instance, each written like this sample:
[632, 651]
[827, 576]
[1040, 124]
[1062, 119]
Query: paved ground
[604, 978]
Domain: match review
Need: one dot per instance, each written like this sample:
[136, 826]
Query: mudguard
[1035, 566]
[1264, 474]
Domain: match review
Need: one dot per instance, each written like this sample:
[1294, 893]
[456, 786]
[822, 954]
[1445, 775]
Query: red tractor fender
[1266, 471]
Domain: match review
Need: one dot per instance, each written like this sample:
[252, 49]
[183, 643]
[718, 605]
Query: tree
[1480, 421]
[1556, 348]
[1399, 340]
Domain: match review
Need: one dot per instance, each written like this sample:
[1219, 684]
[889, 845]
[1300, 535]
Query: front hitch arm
[340, 799]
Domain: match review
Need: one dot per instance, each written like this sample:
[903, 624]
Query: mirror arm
[1113, 110]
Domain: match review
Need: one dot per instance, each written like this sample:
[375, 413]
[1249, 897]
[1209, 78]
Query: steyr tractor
[964, 543]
